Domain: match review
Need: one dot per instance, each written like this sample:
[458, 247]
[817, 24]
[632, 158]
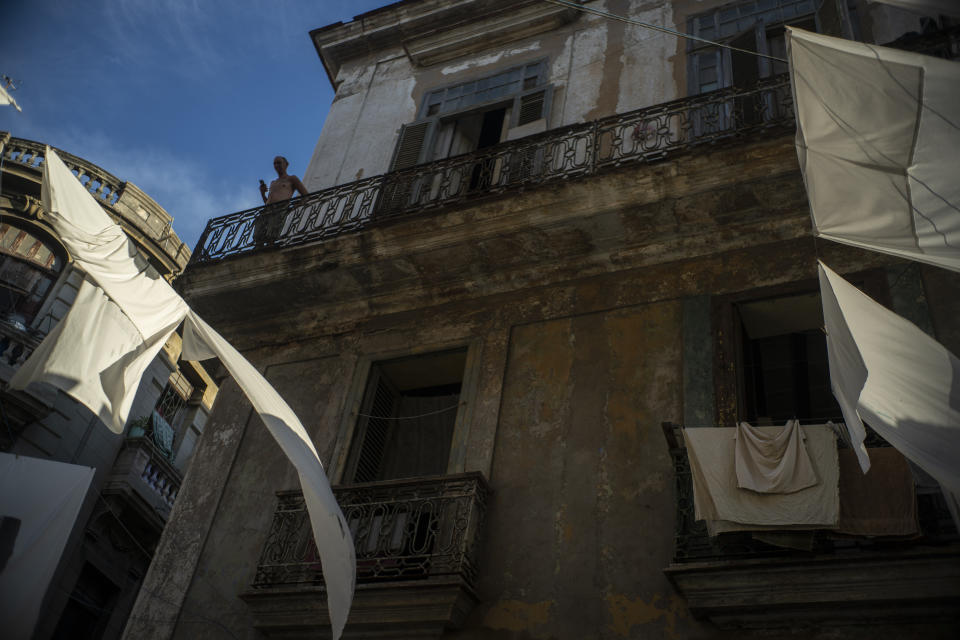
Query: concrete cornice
[434, 31]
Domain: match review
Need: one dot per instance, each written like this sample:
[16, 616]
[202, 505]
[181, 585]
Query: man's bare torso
[280, 189]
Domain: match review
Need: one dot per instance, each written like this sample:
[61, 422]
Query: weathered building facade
[534, 236]
[138, 474]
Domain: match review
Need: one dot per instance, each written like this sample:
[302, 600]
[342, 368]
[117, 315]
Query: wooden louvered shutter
[373, 429]
[410, 146]
[532, 105]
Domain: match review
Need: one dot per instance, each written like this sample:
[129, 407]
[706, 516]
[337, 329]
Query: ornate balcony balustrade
[103, 185]
[403, 530]
[641, 136]
[146, 478]
[143, 218]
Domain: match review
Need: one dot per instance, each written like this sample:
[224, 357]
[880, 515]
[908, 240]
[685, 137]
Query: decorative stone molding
[434, 31]
[384, 610]
[917, 585]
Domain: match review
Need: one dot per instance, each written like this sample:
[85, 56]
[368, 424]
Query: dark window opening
[29, 266]
[785, 372]
[89, 608]
[407, 417]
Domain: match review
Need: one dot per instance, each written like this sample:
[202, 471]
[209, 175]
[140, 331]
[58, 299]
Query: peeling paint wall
[581, 301]
[582, 304]
[583, 478]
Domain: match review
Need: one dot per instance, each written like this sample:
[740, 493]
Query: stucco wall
[597, 67]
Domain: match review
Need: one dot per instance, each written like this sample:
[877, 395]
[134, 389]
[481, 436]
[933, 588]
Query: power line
[647, 25]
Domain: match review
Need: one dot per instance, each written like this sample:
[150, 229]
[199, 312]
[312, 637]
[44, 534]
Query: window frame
[511, 101]
[728, 349]
[754, 21]
[349, 419]
[56, 277]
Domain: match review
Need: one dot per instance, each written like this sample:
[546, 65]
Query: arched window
[29, 265]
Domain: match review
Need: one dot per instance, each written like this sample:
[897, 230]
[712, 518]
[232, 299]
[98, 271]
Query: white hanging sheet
[96, 355]
[122, 317]
[878, 131]
[42, 499]
[6, 98]
[931, 8]
[888, 373]
[102, 250]
[330, 530]
[773, 460]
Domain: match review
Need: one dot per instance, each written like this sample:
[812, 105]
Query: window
[169, 412]
[755, 26]
[87, 613]
[784, 371]
[474, 115]
[29, 266]
[407, 417]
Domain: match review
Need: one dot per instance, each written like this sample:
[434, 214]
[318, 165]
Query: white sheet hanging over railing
[123, 315]
[888, 373]
[878, 134]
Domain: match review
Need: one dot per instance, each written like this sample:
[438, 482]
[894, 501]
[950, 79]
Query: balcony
[17, 342]
[417, 543]
[643, 136]
[638, 137]
[737, 581]
[144, 476]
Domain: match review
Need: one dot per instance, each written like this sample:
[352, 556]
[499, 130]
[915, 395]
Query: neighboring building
[138, 474]
[534, 237]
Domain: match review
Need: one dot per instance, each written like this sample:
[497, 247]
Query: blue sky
[188, 99]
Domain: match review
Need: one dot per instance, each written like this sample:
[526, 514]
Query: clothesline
[422, 415]
[804, 422]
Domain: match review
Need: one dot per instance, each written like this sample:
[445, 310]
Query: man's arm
[298, 185]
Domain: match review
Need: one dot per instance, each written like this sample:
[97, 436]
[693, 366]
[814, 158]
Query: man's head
[280, 164]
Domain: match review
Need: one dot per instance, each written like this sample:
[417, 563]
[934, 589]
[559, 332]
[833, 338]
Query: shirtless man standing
[282, 188]
[268, 224]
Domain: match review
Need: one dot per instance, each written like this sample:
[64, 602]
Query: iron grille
[412, 529]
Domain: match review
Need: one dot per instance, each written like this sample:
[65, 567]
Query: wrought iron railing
[17, 342]
[411, 529]
[142, 468]
[641, 136]
[694, 544]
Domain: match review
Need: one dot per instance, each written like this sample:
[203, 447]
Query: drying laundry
[725, 507]
[773, 460]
